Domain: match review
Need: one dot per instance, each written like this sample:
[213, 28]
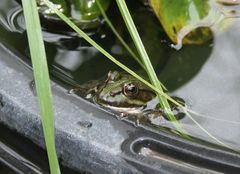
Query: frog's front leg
[87, 90]
[83, 92]
[136, 118]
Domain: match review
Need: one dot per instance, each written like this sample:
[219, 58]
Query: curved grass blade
[42, 81]
[110, 57]
[150, 71]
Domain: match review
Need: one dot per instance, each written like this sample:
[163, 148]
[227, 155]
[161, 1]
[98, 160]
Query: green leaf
[41, 77]
[186, 19]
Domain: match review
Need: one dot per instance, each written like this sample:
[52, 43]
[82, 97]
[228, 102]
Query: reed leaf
[149, 68]
[41, 77]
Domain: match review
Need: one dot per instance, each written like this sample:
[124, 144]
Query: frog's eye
[130, 90]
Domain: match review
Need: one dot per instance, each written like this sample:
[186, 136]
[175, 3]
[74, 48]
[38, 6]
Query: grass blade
[145, 59]
[42, 81]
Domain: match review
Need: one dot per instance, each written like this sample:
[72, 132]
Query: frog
[125, 94]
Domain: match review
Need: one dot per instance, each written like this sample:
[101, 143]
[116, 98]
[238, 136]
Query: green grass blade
[150, 71]
[41, 77]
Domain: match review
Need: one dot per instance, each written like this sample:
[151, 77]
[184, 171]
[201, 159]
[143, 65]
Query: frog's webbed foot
[87, 90]
[137, 119]
[156, 117]
[141, 119]
[153, 117]
[177, 111]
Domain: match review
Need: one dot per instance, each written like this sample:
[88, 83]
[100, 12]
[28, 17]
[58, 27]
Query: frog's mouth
[132, 110]
[121, 107]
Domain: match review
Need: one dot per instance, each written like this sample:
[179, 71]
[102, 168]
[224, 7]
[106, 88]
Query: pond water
[206, 76]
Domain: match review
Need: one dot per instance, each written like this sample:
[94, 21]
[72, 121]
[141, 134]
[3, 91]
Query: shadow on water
[183, 65]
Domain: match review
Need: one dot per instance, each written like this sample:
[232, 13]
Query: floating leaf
[188, 21]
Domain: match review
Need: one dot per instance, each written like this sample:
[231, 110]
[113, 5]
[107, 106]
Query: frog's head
[124, 93]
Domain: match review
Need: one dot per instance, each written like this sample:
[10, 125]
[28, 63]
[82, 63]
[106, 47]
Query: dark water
[206, 76]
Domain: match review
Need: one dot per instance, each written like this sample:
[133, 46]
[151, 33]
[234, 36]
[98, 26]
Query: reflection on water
[206, 76]
[11, 17]
[215, 90]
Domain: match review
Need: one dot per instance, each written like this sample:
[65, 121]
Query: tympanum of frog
[124, 93]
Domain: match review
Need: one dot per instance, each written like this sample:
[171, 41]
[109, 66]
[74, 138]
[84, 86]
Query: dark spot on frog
[232, 14]
[174, 29]
[85, 124]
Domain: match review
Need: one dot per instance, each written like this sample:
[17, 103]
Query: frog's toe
[72, 91]
[122, 116]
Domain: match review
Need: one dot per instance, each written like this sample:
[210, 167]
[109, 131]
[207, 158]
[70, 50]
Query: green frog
[123, 93]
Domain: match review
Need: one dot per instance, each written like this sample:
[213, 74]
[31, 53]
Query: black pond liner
[90, 139]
